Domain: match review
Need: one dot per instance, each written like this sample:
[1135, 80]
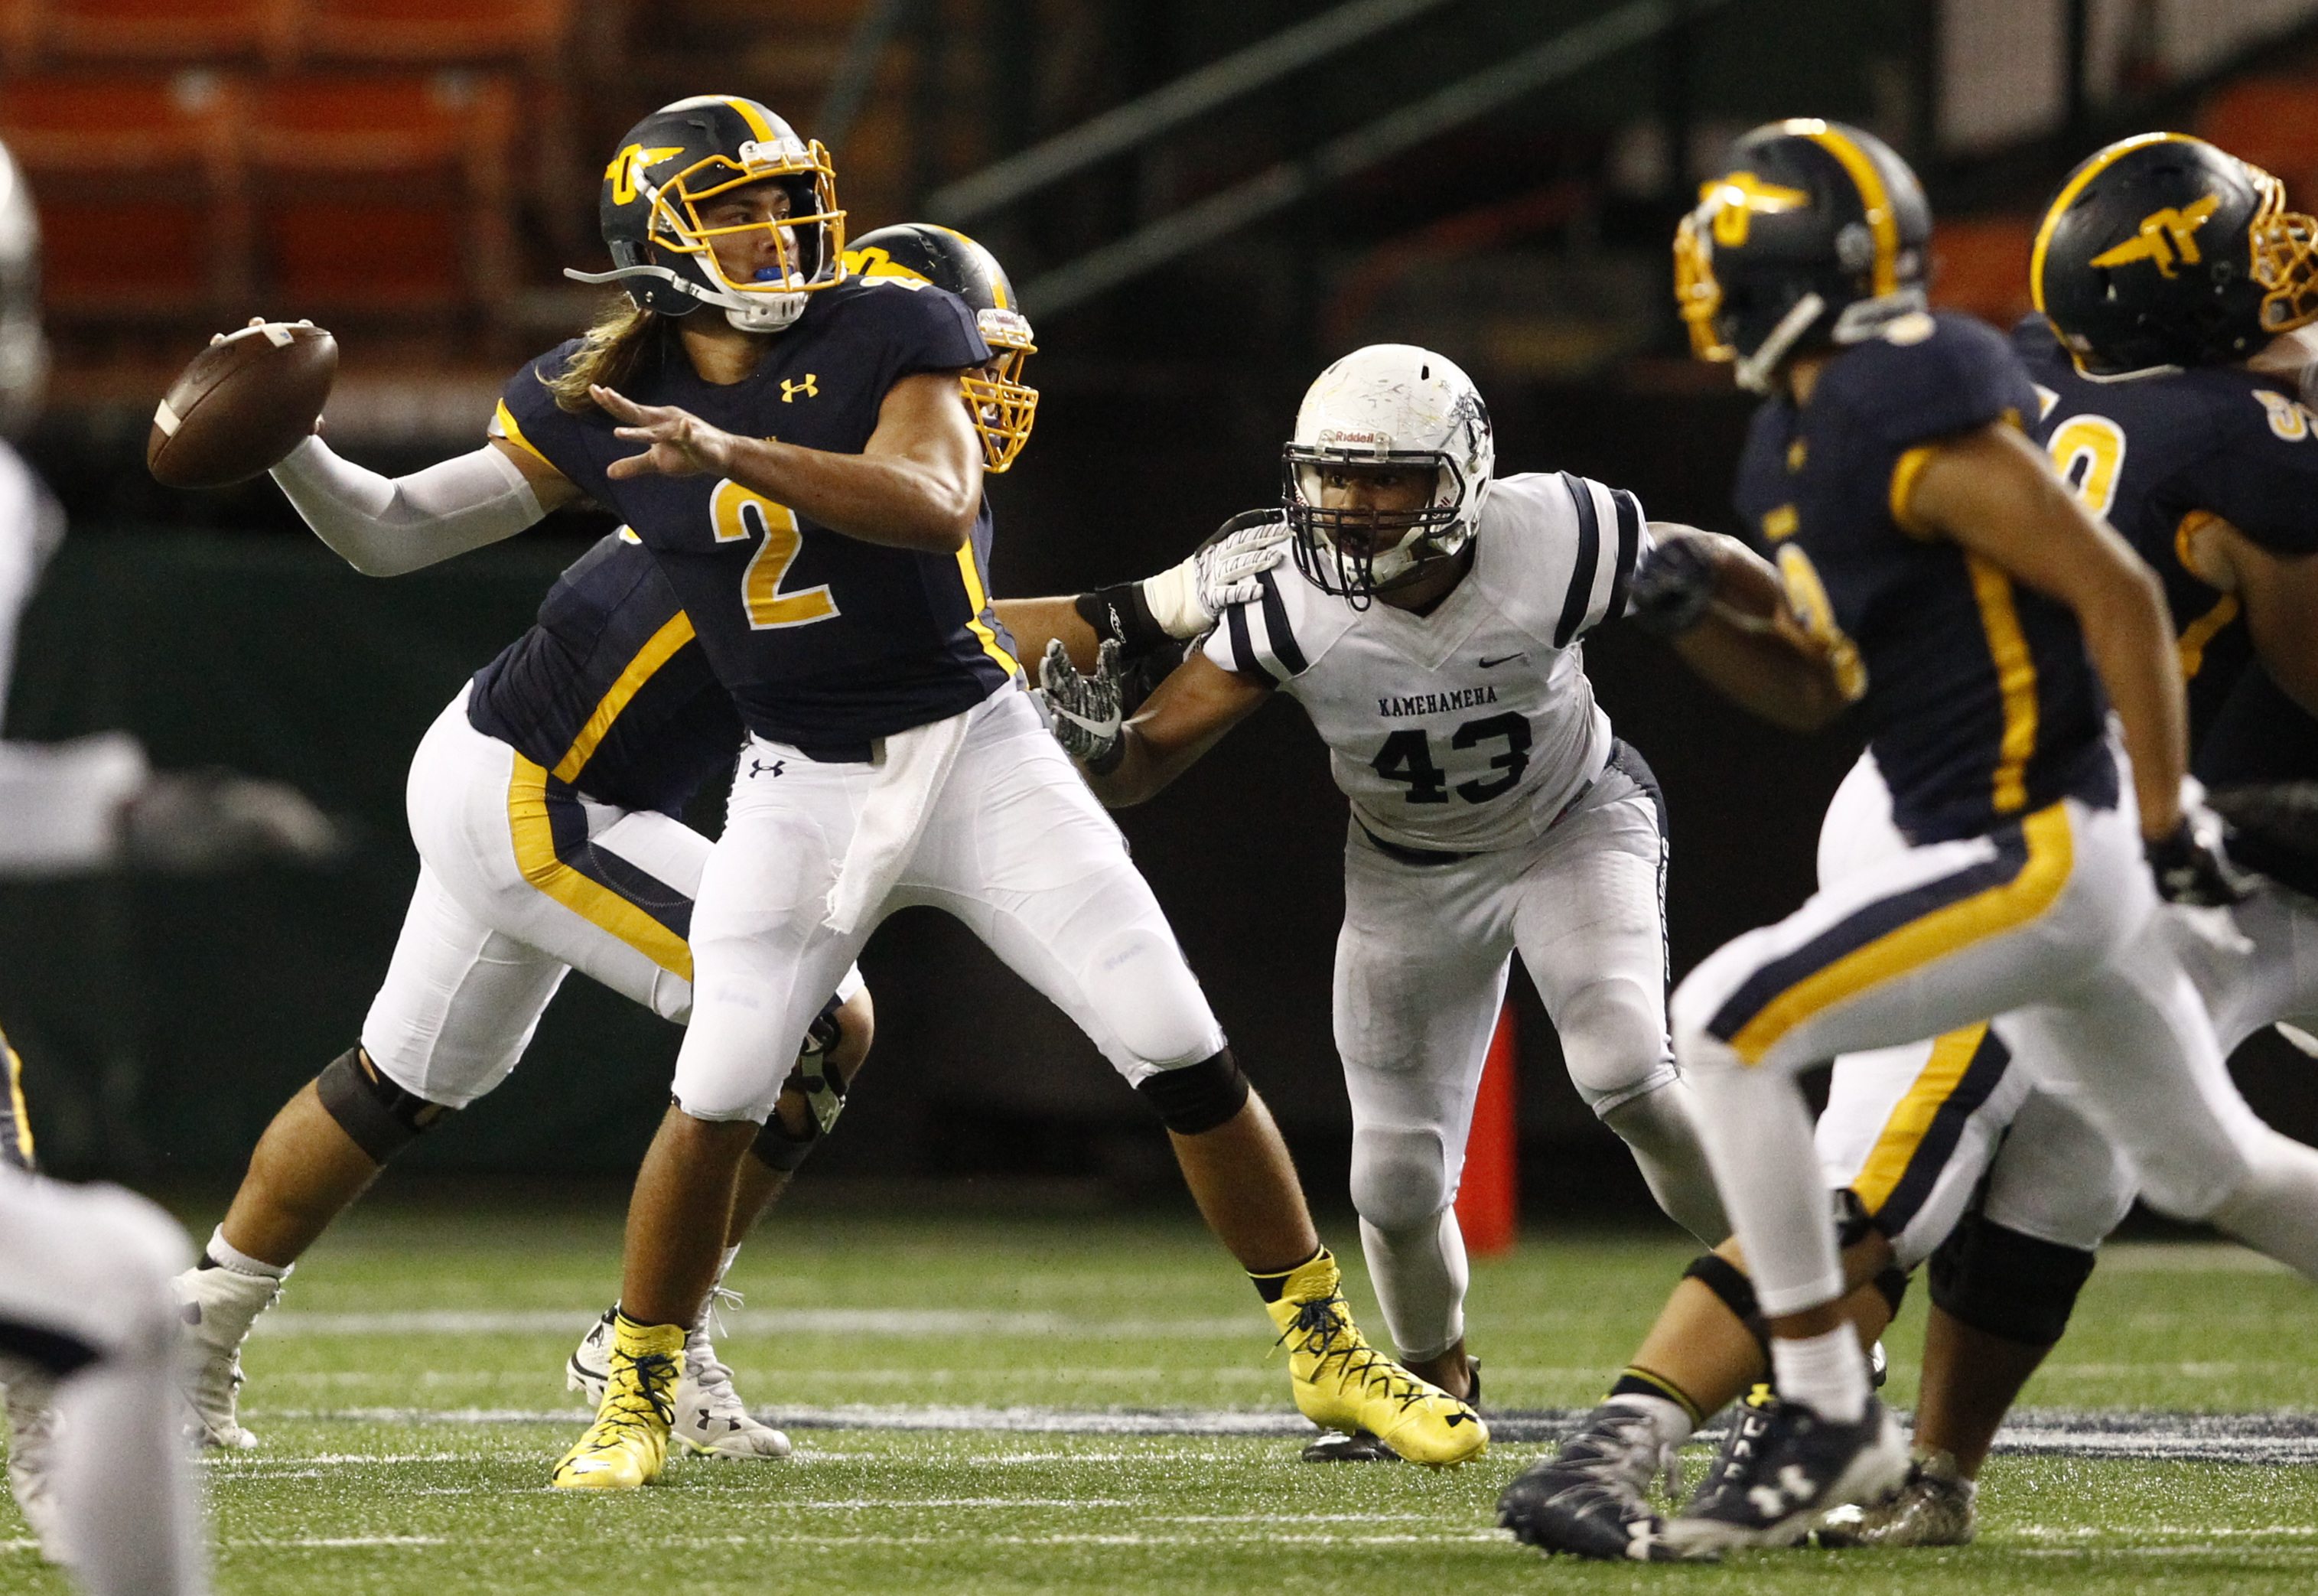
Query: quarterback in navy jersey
[1432, 631]
[810, 485]
[1932, 571]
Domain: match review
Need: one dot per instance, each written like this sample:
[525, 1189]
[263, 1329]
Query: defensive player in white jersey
[1432, 630]
[87, 1330]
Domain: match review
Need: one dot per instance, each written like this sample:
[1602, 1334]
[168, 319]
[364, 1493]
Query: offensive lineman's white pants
[2049, 921]
[85, 1298]
[1013, 845]
[1422, 963]
[522, 880]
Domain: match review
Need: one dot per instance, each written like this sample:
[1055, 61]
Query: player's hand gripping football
[1186, 598]
[677, 442]
[1085, 709]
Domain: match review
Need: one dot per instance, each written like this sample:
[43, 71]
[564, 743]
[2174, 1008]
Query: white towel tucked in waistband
[916, 765]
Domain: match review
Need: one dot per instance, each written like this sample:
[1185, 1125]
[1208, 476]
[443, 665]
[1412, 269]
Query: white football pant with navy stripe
[522, 880]
[2050, 922]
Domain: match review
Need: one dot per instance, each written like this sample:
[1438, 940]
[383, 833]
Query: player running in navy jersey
[1433, 632]
[1937, 575]
[2166, 395]
[810, 488]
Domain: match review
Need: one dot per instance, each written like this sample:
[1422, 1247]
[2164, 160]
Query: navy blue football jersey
[1977, 696]
[825, 642]
[609, 691]
[2155, 453]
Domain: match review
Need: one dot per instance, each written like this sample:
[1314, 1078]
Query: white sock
[1669, 1420]
[725, 1267]
[223, 1253]
[1420, 1276]
[1826, 1372]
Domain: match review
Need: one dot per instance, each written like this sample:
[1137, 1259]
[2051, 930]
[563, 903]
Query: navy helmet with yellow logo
[1001, 404]
[669, 169]
[1813, 234]
[2163, 251]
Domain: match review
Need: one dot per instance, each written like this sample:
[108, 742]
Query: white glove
[1186, 598]
[1085, 709]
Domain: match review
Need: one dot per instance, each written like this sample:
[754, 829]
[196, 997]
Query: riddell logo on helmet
[1338, 436]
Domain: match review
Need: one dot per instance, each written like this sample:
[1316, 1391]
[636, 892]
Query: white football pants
[85, 1299]
[521, 880]
[1013, 845]
[1422, 963]
[1915, 1129]
[2049, 921]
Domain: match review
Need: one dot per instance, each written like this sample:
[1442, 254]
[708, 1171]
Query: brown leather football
[244, 401]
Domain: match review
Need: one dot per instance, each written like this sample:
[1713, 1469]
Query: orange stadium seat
[433, 32]
[138, 188]
[383, 195]
[1980, 264]
[47, 33]
[2273, 123]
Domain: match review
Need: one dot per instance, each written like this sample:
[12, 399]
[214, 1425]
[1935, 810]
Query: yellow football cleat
[627, 1446]
[1341, 1383]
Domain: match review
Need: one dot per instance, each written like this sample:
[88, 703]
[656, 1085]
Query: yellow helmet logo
[2166, 237]
[627, 168]
[1737, 199]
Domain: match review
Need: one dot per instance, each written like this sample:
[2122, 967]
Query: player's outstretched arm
[1993, 492]
[384, 526]
[2280, 593]
[1724, 611]
[916, 485]
[1179, 604]
[1188, 714]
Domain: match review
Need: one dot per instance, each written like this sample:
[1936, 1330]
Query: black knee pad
[1727, 1281]
[381, 1116]
[817, 1080]
[1200, 1096]
[2005, 1283]
[1891, 1280]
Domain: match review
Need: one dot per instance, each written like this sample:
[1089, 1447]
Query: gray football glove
[196, 822]
[1186, 598]
[1085, 709]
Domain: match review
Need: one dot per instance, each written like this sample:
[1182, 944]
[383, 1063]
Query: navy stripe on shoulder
[1589, 554]
[1243, 646]
[1284, 646]
[1630, 548]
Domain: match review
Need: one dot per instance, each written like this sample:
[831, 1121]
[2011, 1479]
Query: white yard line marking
[2185, 1258]
[338, 1542]
[916, 1322]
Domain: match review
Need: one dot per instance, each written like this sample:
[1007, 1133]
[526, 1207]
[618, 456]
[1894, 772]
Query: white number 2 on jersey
[737, 514]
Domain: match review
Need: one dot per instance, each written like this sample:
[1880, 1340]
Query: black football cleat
[1591, 1499]
[1782, 1468]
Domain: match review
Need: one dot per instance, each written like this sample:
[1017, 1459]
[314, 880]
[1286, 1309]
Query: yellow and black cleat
[627, 1446]
[1343, 1384]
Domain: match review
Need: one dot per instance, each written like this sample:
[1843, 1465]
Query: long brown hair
[607, 353]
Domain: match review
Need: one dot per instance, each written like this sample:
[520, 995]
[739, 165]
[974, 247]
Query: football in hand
[244, 402]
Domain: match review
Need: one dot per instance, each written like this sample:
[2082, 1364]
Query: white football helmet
[24, 352]
[1387, 404]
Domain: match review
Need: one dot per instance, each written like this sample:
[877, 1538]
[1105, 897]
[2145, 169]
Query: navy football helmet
[2163, 251]
[1815, 234]
[676, 160]
[1001, 404]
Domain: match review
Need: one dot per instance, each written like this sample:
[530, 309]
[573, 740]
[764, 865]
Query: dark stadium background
[163, 1022]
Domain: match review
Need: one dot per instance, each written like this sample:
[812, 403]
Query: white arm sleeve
[384, 528]
[61, 803]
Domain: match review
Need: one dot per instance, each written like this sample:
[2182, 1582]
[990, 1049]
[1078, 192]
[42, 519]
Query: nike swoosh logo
[1490, 664]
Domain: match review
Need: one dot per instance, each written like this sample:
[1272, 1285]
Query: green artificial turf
[408, 1389]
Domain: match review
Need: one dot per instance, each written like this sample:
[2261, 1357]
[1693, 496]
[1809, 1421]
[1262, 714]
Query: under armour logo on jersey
[758, 767]
[810, 388]
[2165, 237]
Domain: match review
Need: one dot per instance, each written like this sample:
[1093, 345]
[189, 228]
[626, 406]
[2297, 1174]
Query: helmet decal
[2165, 237]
